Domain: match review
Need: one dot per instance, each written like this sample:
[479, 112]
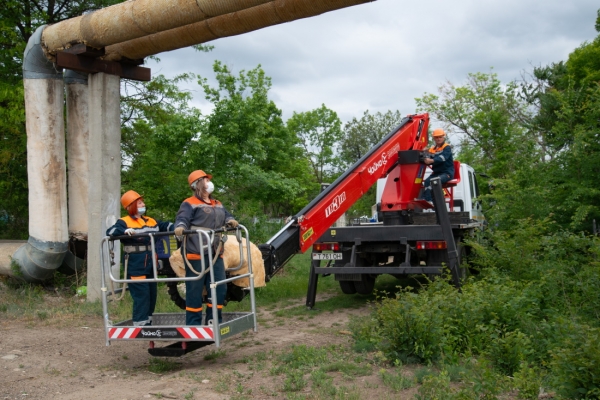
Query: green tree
[255, 159]
[566, 95]
[360, 135]
[319, 132]
[13, 163]
[488, 116]
[158, 127]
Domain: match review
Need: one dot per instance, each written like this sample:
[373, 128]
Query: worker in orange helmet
[138, 254]
[202, 210]
[439, 157]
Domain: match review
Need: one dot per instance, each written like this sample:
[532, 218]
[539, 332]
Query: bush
[575, 361]
[490, 317]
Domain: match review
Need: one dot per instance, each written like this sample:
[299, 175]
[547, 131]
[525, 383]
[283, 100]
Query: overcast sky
[381, 55]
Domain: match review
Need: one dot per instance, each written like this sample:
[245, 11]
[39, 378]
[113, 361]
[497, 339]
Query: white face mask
[210, 187]
[142, 210]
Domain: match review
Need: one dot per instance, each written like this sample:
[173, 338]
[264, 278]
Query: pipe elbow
[35, 63]
[38, 260]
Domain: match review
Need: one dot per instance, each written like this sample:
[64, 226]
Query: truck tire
[365, 285]
[347, 287]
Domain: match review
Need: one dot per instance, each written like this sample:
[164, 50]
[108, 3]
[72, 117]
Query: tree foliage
[487, 116]
[158, 126]
[256, 164]
[13, 163]
[254, 157]
[319, 132]
[360, 135]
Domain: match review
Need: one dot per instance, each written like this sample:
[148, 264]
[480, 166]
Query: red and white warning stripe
[196, 333]
[123, 333]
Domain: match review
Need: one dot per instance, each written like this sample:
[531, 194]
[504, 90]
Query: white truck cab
[466, 193]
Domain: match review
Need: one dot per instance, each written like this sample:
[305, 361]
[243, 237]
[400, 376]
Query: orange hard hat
[439, 132]
[128, 198]
[197, 174]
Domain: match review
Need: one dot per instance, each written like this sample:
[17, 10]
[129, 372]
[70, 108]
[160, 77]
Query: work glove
[232, 223]
[179, 231]
[129, 231]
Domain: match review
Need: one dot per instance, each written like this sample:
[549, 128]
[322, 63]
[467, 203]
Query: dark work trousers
[144, 300]
[427, 183]
[194, 289]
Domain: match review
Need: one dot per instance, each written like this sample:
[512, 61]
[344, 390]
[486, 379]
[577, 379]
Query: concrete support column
[104, 170]
[78, 133]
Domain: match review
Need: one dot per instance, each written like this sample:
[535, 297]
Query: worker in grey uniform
[202, 210]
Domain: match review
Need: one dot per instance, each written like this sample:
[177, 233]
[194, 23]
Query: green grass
[396, 381]
[162, 365]
[46, 304]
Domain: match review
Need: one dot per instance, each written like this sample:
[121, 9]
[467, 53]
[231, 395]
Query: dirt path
[47, 361]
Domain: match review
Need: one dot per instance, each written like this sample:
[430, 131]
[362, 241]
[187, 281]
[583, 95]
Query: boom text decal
[335, 204]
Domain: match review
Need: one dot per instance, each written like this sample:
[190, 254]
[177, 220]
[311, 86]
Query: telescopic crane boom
[397, 154]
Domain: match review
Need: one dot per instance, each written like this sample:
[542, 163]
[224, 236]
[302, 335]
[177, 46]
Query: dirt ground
[45, 361]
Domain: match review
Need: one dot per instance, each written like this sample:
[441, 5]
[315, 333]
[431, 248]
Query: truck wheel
[365, 285]
[347, 287]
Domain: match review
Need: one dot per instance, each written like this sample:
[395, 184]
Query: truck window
[471, 185]
[476, 186]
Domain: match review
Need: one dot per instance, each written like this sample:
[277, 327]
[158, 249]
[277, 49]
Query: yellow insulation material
[231, 259]
[134, 19]
[247, 20]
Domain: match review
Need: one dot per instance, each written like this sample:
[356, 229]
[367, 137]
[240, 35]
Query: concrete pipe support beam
[104, 170]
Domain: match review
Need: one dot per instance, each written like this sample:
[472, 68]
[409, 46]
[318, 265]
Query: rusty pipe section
[231, 24]
[45, 249]
[133, 19]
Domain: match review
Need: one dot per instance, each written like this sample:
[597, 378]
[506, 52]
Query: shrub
[575, 362]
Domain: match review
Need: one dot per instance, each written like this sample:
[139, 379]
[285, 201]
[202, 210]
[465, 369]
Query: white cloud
[381, 55]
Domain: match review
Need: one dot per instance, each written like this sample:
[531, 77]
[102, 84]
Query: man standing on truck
[439, 157]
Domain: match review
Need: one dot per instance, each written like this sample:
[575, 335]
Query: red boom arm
[381, 160]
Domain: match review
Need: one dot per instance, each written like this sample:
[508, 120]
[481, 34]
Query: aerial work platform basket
[171, 327]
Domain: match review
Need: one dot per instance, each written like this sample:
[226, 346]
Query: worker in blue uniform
[439, 157]
[202, 210]
[138, 254]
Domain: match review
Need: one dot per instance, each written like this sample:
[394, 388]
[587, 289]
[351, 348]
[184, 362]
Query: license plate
[326, 256]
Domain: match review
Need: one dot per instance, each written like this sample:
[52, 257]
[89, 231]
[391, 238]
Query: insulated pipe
[78, 133]
[46, 172]
[134, 19]
[235, 23]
